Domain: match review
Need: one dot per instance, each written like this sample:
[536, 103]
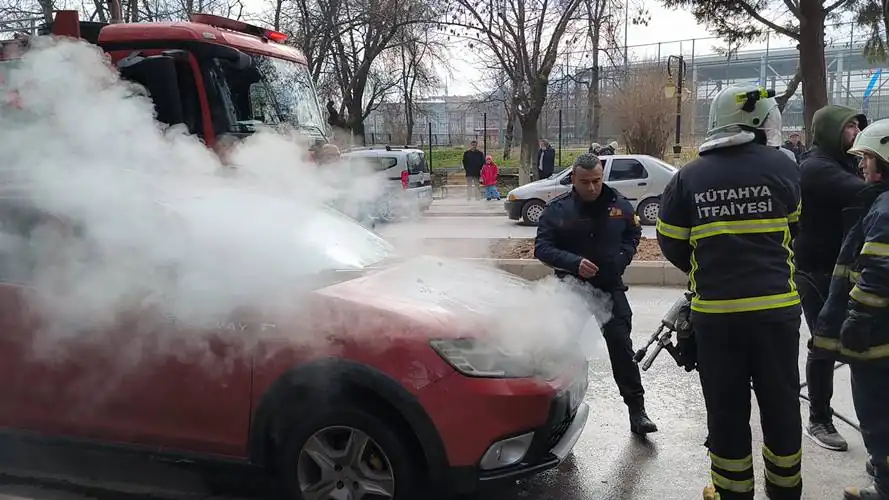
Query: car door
[71, 365]
[629, 177]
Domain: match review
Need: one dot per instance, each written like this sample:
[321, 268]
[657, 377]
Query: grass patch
[453, 157]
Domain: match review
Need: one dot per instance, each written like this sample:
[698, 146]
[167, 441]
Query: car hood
[430, 297]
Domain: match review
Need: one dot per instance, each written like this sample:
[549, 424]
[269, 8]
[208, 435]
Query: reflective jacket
[727, 219]
[606, 232]
[860, 280]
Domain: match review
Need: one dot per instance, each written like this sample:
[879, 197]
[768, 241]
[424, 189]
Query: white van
[407, 171]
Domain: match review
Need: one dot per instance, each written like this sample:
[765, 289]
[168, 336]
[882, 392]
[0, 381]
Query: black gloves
[856, 329]
[686, 350]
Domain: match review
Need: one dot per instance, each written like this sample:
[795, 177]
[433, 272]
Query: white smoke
[142, 218]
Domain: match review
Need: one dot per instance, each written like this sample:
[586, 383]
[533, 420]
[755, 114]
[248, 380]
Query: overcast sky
[665, 26]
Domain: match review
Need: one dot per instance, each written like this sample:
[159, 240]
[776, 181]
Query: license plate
[576, 394]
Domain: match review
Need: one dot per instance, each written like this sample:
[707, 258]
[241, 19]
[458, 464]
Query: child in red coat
[489, 179]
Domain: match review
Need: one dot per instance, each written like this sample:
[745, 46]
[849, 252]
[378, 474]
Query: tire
[531, 211]
[648, 211]
[327, 429]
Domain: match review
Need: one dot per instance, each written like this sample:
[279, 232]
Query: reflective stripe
[782, 461]
[790, 265]
[750, 226]
[840, 271]
[783, 481]
[746, 304]
[671, 231]
[868, 298]
[832, 344]
[855, 277]
[732, 465]
[875, 249]
[794, 216]
[731, 485]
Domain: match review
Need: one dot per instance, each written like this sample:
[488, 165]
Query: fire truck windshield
[270, 91]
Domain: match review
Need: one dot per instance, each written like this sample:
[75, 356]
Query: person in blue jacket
[853, 325]
[592, 233]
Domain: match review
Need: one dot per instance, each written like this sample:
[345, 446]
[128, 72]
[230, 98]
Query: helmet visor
[772, 126]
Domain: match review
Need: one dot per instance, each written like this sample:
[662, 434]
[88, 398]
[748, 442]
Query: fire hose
[677, 322]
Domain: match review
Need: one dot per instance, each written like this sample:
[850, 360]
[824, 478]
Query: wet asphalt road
[607, 464]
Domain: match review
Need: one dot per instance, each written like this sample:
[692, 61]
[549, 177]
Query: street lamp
[677, 64]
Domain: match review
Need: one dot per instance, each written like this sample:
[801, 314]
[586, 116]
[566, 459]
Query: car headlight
[511, 197]
[476, 358]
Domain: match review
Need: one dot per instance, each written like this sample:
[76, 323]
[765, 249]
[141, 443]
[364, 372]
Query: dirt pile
[521, 248]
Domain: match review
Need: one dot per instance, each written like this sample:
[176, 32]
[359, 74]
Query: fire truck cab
[217, 76]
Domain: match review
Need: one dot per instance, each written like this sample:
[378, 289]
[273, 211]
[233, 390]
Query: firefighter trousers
[872, 407]
[732, 352]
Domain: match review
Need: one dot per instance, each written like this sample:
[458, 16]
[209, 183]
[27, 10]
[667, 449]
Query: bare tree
[496, 87]
[419, 54]
[525, 37]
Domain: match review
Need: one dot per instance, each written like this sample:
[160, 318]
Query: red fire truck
[220, 77]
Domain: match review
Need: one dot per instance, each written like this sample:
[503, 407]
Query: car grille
[559, 430]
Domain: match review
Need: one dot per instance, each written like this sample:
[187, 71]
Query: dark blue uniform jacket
[860, 283]
[606, 232]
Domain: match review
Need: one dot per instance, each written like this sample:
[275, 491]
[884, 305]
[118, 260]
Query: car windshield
[269, 91]
[323, 238]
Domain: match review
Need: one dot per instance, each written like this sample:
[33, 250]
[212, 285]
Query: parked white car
[641, 178]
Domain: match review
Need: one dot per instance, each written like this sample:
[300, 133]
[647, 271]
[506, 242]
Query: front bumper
[551, 444]
[514, 208]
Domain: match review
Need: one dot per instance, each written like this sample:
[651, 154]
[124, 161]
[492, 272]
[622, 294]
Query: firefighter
[727, 219]
[852, 325]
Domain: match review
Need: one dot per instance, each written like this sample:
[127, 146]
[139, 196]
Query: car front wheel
[648, 211]
[531, 211]
[346, 453]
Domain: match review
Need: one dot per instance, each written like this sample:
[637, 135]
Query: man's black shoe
[640, 424]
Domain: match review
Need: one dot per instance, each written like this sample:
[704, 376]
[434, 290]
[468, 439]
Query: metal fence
[852, 80]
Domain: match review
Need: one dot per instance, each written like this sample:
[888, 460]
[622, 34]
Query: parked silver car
[641, 178]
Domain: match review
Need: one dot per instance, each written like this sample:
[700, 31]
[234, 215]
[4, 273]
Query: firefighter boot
[869, 493]
[640, 424]
[710, 493]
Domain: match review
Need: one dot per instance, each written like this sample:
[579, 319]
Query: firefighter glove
[687, 352]
[855, 332]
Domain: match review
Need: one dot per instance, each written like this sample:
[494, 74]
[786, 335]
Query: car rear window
[416, 163]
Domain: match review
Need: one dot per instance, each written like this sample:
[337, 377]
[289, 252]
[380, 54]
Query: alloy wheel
[343, 463]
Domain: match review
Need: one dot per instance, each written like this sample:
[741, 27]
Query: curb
[640, 272]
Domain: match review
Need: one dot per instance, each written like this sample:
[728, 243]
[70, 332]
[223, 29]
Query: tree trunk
[409, 123]
[355, 122]
[811, 60]
[509, 131]
[530, 137]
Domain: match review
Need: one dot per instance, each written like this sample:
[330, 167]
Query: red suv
[370, 387]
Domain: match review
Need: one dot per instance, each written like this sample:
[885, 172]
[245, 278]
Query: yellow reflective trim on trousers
[732, 465]
[840, 271]
[867, 298]
[794, 216]
[746, 304]
[671, 231]
[854, 277]
[782, 461]
[750, 226]
[786, 244]
[875, 249]
[784, 481]
[831, 344]
[725, 483]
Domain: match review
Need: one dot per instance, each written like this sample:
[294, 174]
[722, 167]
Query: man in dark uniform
[852, 326]
[592, 233]
[727, 219]
[829, 182]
